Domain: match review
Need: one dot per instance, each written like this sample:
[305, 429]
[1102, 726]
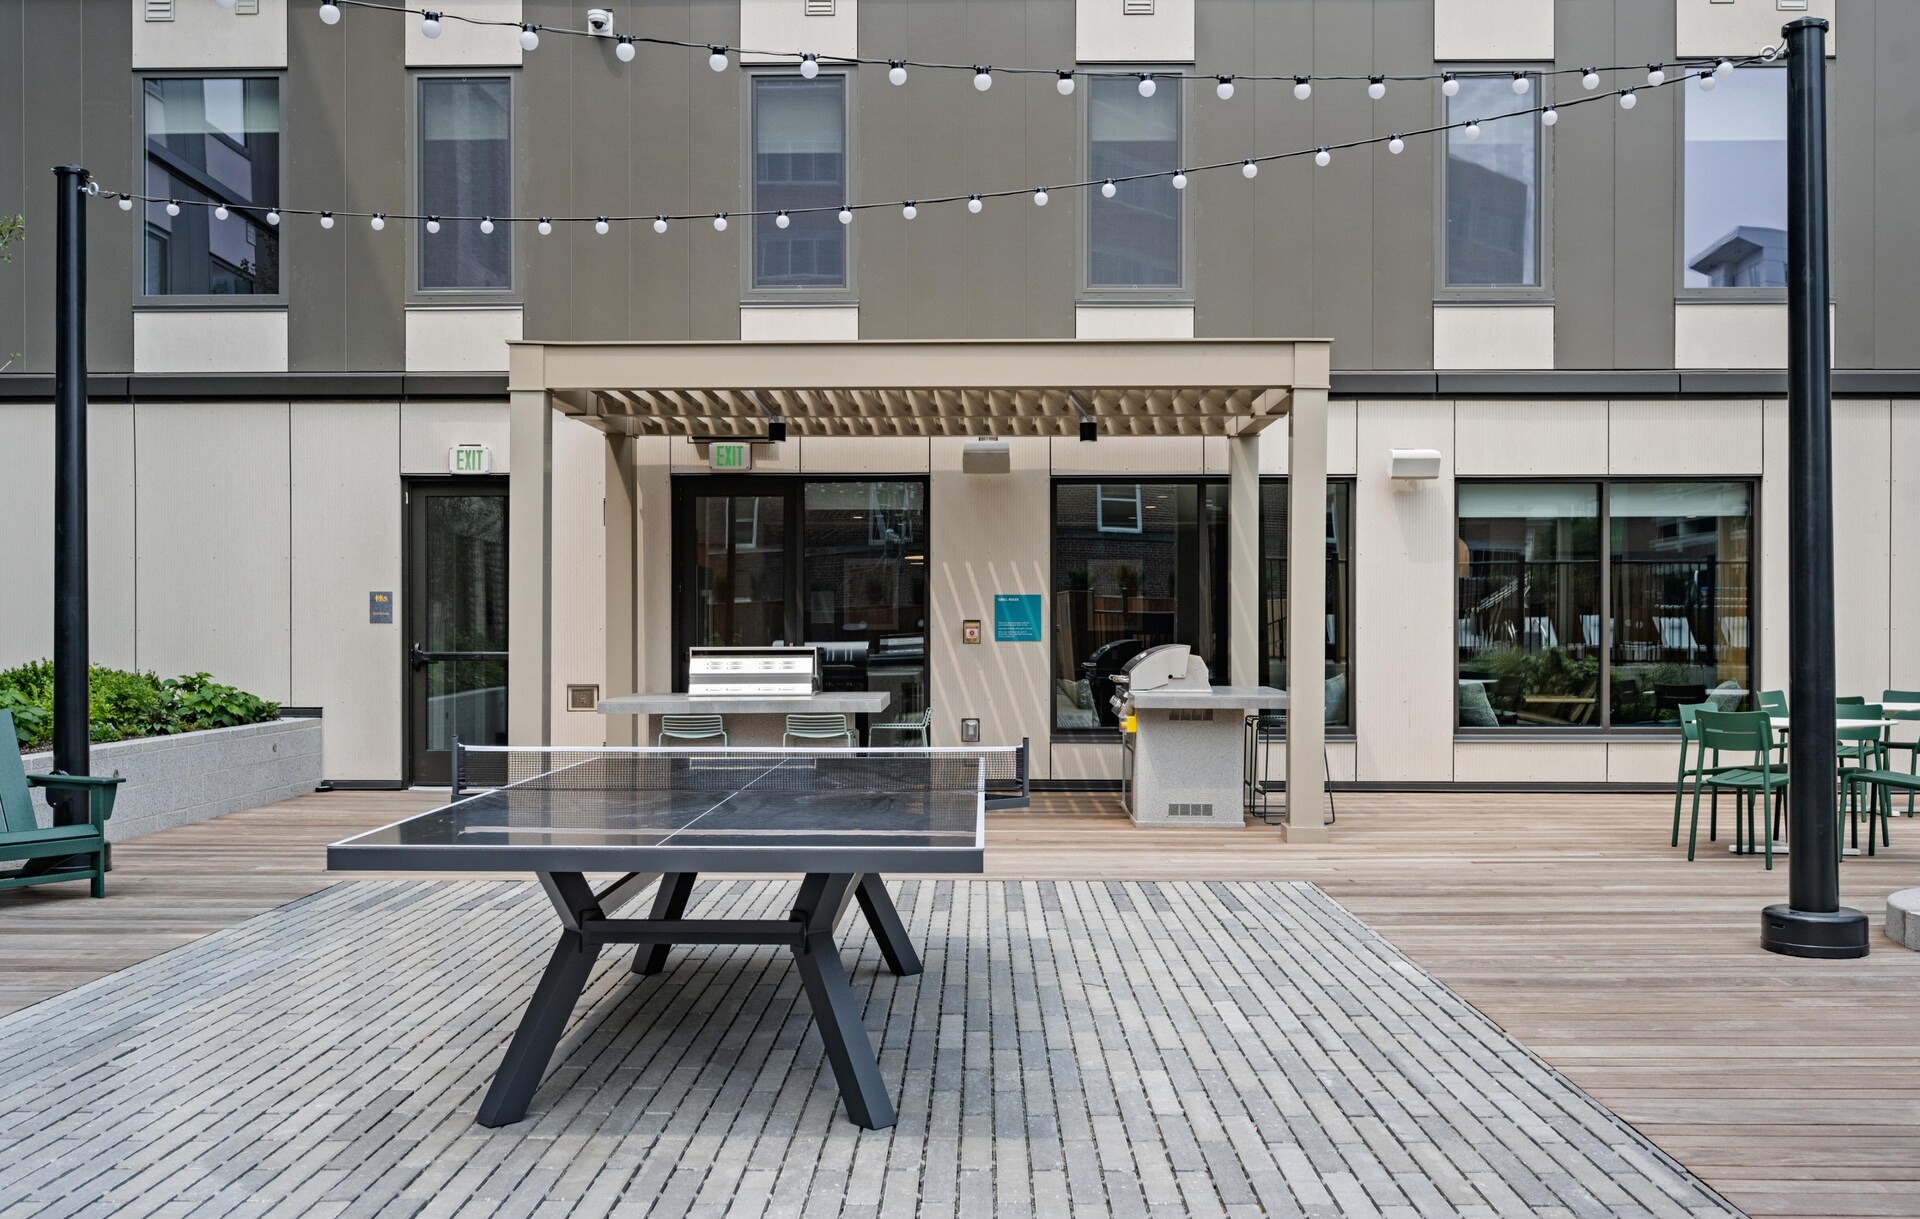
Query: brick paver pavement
[1072, 1049]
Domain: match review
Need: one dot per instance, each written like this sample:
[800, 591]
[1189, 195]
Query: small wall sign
[379, 607]
[1016, 618]
[469, 459]
[970, 631]
[730, 456]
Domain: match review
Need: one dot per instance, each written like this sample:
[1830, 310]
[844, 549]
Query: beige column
[623, 585]
[1306, 615]
[1243, 562]
[530, 570]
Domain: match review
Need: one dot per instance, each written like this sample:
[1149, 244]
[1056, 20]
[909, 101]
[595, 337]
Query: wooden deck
[1791, 1086]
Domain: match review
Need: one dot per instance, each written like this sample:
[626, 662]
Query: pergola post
[530, 569]
[1306, 615]
[623, 585]
[1244, 650]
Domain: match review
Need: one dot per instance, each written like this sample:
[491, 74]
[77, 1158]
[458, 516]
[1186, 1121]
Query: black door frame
[413, 604]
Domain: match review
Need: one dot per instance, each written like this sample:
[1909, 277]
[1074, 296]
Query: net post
[1026, 773]
[456, 770]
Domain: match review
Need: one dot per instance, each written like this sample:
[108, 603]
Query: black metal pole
[1812, 923]
[70, 727]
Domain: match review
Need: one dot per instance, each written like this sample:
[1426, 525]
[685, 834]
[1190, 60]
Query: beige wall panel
[778, 25]
[205, 35]
[1903, 643]
[653, 495]
[1129, 455]
[1404, 685]
[460, 340]
[212, 536]
[789, 323]
[1862, 542]
[1086, 759]
[1643, 761]
[1340, 760]
[1530, 762]
[429, 429]
[1702, 436]
[1492, 29]
[782, 458]
[579, 576]
[982, 542]
[1774, 599]
[1740, 336]
[1103, 32]
[346, 523]
[1717, 27]
[26, 548]
[1530, 439]
[1343, 422]
[461, 45]
[1133, 322]
[1492, 336]
[863, 454]
[210, 340]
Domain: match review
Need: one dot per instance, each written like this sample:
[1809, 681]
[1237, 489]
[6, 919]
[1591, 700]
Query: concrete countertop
[858, 702]
[1265, 698]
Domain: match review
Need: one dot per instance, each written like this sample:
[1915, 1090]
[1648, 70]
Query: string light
[1064, 85]
[1302, 87]
[545, 227]
[809, 65]
[126, 203]
[1549, 117]
[720, 222]
[1396, 145]
[782, 220]
[1656, 74]
[717, 60]
[430, 25]
[982, 78]
[659, 224]
[1590, 79]
[846, 215]
[623, 49]
[601, 226]
[1449, 84]
[1376, 87]
[486, 225]
[1627, 100]
[1147, 87]
[330, 13]
[1520, 82]
[1224, 89]
[1323, 156]
[433, 224]
[1472, 130]
[1248, 169]
[1723, 68]
[1707, 81]
[1040, 197]
[326, 220]
[273, 217]
[1108, 189]
[173, 207]
[529, 36]
[909, 210]
[1180, 179]
[378, 221]
[973, 204]
[897, 73]
[220, 212]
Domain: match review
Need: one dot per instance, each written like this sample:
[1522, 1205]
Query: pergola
[1231, 388]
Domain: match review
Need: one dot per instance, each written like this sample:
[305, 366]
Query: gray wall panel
[1644, 185]
[314, 260]
[13, 174]
[1343, 191]
[1403, 196]
[1852, 159]
[1222, 209]
[662, 144]
[52, 48]
[106, 146]
[1896, 186]
[1283, 241]
[713, 307]
[375, 176]
[1583, 222]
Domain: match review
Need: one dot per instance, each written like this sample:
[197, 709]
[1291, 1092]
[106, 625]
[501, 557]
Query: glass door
[736, 574]
[456, 610]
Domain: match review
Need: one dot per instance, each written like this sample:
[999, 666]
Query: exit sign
[469, 459]
[730, 455]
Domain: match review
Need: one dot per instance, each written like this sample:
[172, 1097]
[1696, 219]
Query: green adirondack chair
[22, 838]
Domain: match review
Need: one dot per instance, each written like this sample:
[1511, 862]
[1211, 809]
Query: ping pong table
[838, 817]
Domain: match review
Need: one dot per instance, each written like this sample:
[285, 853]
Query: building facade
[1583, 318]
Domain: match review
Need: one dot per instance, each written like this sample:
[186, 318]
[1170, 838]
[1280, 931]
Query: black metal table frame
[808, 932]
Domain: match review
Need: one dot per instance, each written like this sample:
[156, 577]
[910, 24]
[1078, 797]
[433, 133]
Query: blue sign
[379, 607]
[1016, 618]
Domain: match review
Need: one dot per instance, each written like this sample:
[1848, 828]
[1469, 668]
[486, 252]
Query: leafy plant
[201, 702]
[12, 229]
[123, 705]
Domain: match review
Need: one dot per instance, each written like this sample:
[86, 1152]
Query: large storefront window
[1273, 592]
[1541, 632]
[1135, 565]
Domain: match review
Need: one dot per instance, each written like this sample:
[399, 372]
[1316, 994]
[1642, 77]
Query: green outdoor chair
[1690, 735]
[1910, 748]
[816, 726]
[692, 728]
[1740, 732]
[920, 725]
[1866, 749]
[1880, 802]
[1774, 702]
[23, 839]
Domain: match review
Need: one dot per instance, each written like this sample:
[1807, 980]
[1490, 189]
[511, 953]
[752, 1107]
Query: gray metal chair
[692, 728]
[921, 726]
[818, 726]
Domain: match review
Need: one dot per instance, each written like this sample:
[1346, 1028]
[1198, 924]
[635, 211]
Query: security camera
[600, 22]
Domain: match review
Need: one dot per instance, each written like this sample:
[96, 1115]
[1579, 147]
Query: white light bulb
[1590, 79]
[378, 222]
[220, 212]
[433, 224]
[1472, 130]
[126, 203]
[1549, 117]
[1707, 82]
[486, 224]
[973, 204]
[1723, 68]
[1108, 189]
[1302, 88]
[983, 79]
[1180, 180]
[781, 220]
[601, 226]
[1040, 197]
[623, 50]
[545, 227]
[1322, 157]
[897, 74]
[1064, 85]
[1449, 84]
[720, 223]
[809, 66]
[1224, 89]
[1396, 145]
[846, 215]
[326, 220]
[430, 25]
[529, 38]
[1147, 87]
[659, 224]
[1656, 74]
[1377, 88]
[718, 59]
[330, 13]
[273, 217]
[1248, 169]
[1628, 101]
[1520, 82]
[173, 208]
[909, 211]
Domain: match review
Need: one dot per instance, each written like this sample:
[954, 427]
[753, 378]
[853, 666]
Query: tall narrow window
[1734, 231]
[799, 162]
[466, 167]
[1273, 592]
[1133, 239]
[213, 140]
[1492, 189]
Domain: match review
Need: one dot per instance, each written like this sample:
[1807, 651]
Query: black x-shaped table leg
[808, 933]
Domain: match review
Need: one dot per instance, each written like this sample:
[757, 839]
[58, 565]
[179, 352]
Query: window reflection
[214, 140]
[1735, 191]
[1273, 579]
[799, 161]
[1133, 239]
[866, 587]
[466, 168]
[1493, 188]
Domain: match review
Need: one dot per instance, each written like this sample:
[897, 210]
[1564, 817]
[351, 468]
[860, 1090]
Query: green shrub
[123, 705]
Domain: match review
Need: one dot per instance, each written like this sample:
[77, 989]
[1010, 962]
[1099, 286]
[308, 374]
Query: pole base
[1836, 935]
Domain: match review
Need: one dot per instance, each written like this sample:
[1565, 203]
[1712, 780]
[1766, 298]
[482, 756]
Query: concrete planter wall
[178, 780]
